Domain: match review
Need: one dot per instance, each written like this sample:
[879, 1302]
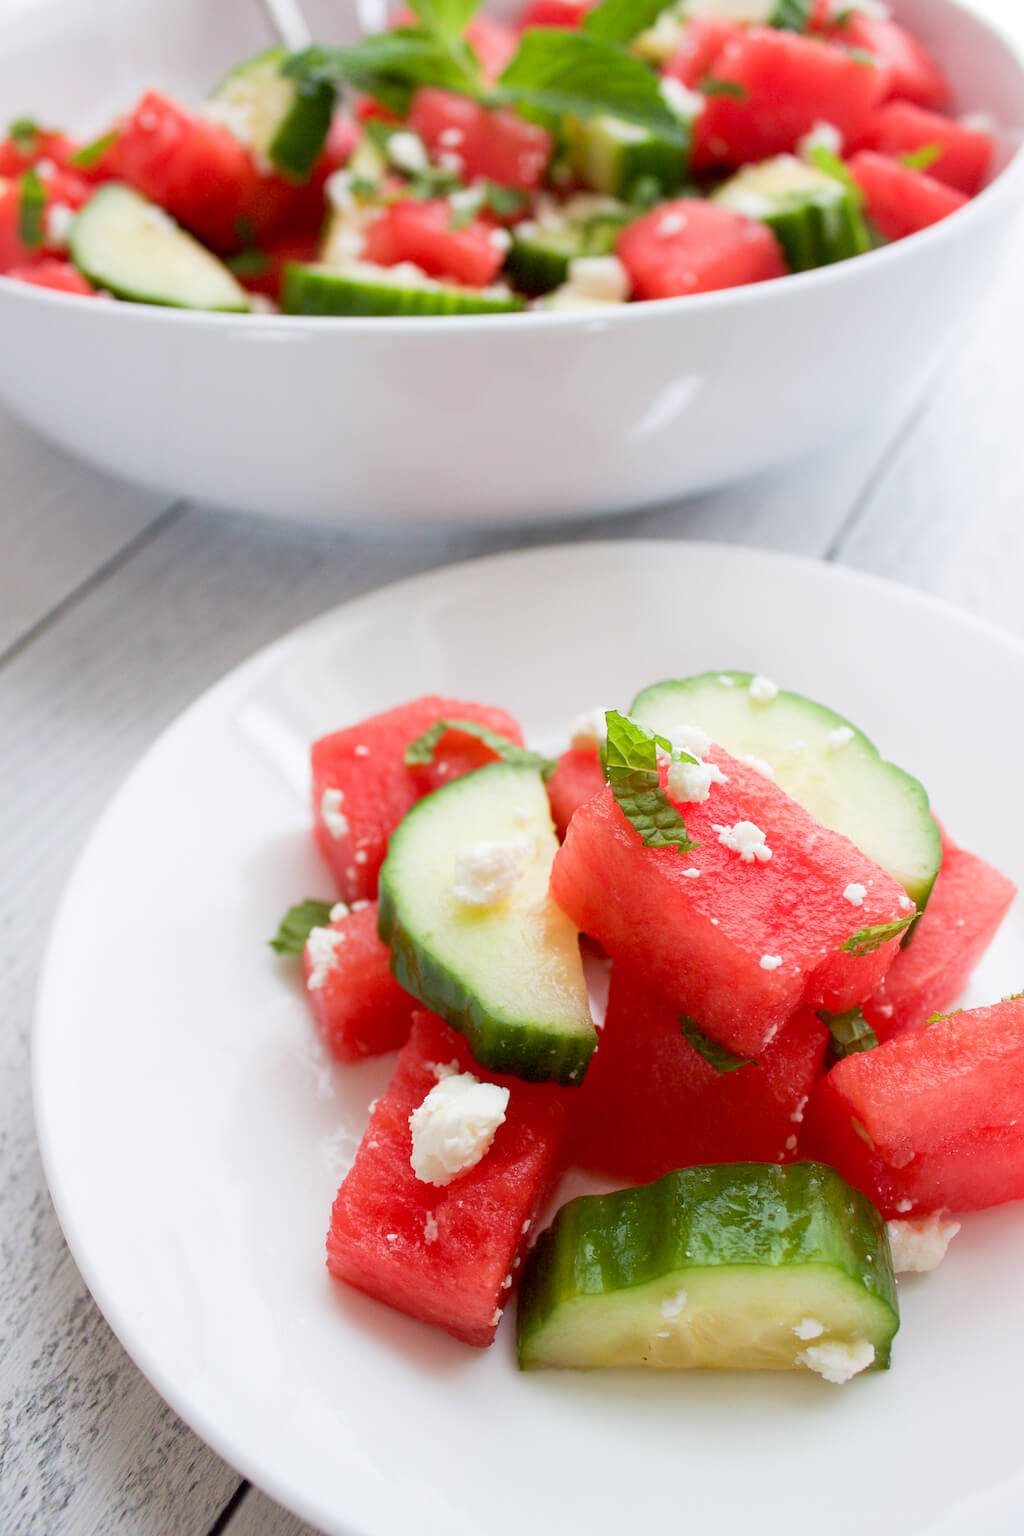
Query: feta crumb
[443, 1069]
[855, 893]
[746, 839]
[392, 1237]
[599, 277]
[501, 240]
[691, 782]
[430, 1228]
[920, 1246]
[506, 1284]
[340, 911]
[790, 1143]
[725, 681]
[905, 903]
[360, 905]
[322, 949]
[770, 962]
[496, 1319]
[59, 219]
[798, 1113]
[454, 1127]
[762, 690]
[822, 136]
[673, 1305]
[671, 224]
[838, 1363]
[684, 103]
[359, 750]
[691, 874]
[451, 138]
[361, 856]
[840, 738]
[450, 160]
[905, 1205]
[466, 199]
[407, 151]
[527, 1224]
[372, 1105]
[486, 874]
[690, 738]
[589, 730]
[809, 1328]
[331, 813]
[759, 766]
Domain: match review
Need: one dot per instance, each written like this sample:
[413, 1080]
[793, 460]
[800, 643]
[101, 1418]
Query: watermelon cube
[932, 1120]
[357, 1003]
[650, 1103]
[447, 1255]
[577, 779]
[966, 907]
[701, 43]
[690, 246]
[362, 788]
[966, 154]
[898, 200]
[739, 942]
[910, 72]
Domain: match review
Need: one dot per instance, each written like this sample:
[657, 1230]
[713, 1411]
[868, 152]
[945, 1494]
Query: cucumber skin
[535, 266]
[311, 290]
[599, 1244]
[299, 142]
[616, 169]
[818, 235]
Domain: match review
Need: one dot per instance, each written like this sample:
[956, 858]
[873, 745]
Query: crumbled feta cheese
[500, 239]
[407, 152]
[589, 730]
[691, 874]
[527, 1224]
[360, 905]
[790, 1143]
[339, 911]
[673, 1305]
[690, 738]
[905, 903]
[855, 893]
[822, 136]
[232, 114]
[725, 681]
[451, 138]
[759, 766]
[599, 277]
[506, 1284]
[762, 690]
[809, 1328]
[450, 160]
[838, 1363]
[496, 1319]
[443, 1069]
[746, 839]
[691, 782]
[686, 104]
[770, 962]
[338, 191]
[840, 738]
[920, 1246]
[905, 1205]
[486, 874]
[466, 199]
[361, 856]
[430, 1228]
[59, 219]
[454, 1127]
[331, 813]
[322, 949]
[392, 1237]
[798, 1113]
[671, 224]
[359, 750]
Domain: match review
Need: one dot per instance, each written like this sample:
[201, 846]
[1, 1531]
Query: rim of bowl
[999, 190]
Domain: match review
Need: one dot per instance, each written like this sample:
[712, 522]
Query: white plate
[194, 1133]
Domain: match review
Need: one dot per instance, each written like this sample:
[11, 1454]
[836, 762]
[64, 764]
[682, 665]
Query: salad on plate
[710, 956]
[589, 156]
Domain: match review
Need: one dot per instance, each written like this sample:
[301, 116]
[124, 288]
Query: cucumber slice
[284, 122]
[823, 761]
[363, 289]
[816, 218]
[538, 259]
[741, 1267]
[509, 977]
[615, 157]
[131, 248]
[793, 15]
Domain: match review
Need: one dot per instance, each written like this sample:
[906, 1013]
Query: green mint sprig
[631, 768]
[851, 1033]
[297, 925]
[32, 211]
[24, 134]
[714, 1054]
[922, 159]
[421, 752]
[867, 940]
[90, 155]
[619, 21]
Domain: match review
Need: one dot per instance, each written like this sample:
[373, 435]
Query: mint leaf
[504, 201]
[445, 18]
[297, 925]
[573, 74]
[250, 263]
[714, 1054]
[24, 135]
[421, 751]
[924, 158]
[851, 1033]
[867, 940]
[710, 86]
[32, 211]
[391, 66]
[619, 21]
[830, 164]
[631, 768]
[91, 154]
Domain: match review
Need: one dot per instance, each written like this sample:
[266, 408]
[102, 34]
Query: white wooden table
[117, 608]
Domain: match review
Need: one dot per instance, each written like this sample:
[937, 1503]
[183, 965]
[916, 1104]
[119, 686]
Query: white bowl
[483, 419]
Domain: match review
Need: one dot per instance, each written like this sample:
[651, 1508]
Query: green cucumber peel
[922, 159]
[32, 211]
[630, 761]
[714, 1054]
[851, 1033]
[421, 752]
[867, 940]
[297, 925]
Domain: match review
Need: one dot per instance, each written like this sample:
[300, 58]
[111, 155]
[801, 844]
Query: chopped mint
[250, 263]
[861, 56]
[619, 21]
[830, 164]
[504, 201]
[867, 940]
[851, 1033]
[924, 158]
[710, 86]
[391, 66]
[24, 135]
[445, 18]
[421, 751]
[714, 1054]
[631, 767]
[575, 74]
[297, 925]
[90, 155]
[32, 211]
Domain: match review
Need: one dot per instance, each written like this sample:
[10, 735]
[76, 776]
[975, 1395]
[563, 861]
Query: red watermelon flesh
[910, 71]
[898, 200]
[444, 1255]
[357, 1003]
[931, 1120]
[58, 276]
[701, 940]
[459, 753]
[649, 1103]
[690, 246]
[365, 764]
[577, 779]
[965, 910]
[967, 154]
[702, 42]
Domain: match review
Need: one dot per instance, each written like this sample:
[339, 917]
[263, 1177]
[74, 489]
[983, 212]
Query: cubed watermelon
[898, 200]
[357, 1003]
[496, 145]
[445, 1255]
[910, 72]
[741, 945]
[966, 907]
[932, 1120]
[966, 155]
[421, 232]
[555, 13]
[577, 779]
[689, 246]
[700, 45]
[650, 1103]
[493, 42]
[362, 788]
[27, 231]
[58, 276]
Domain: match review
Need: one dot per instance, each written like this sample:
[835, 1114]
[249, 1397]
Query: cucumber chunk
[284, 122]
[508, 976]
[539, 257]
[664, 38]
[816, 218]
[746, 1266]
[818, 758]
[363, 289]
[615, 157]
[131, 248]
